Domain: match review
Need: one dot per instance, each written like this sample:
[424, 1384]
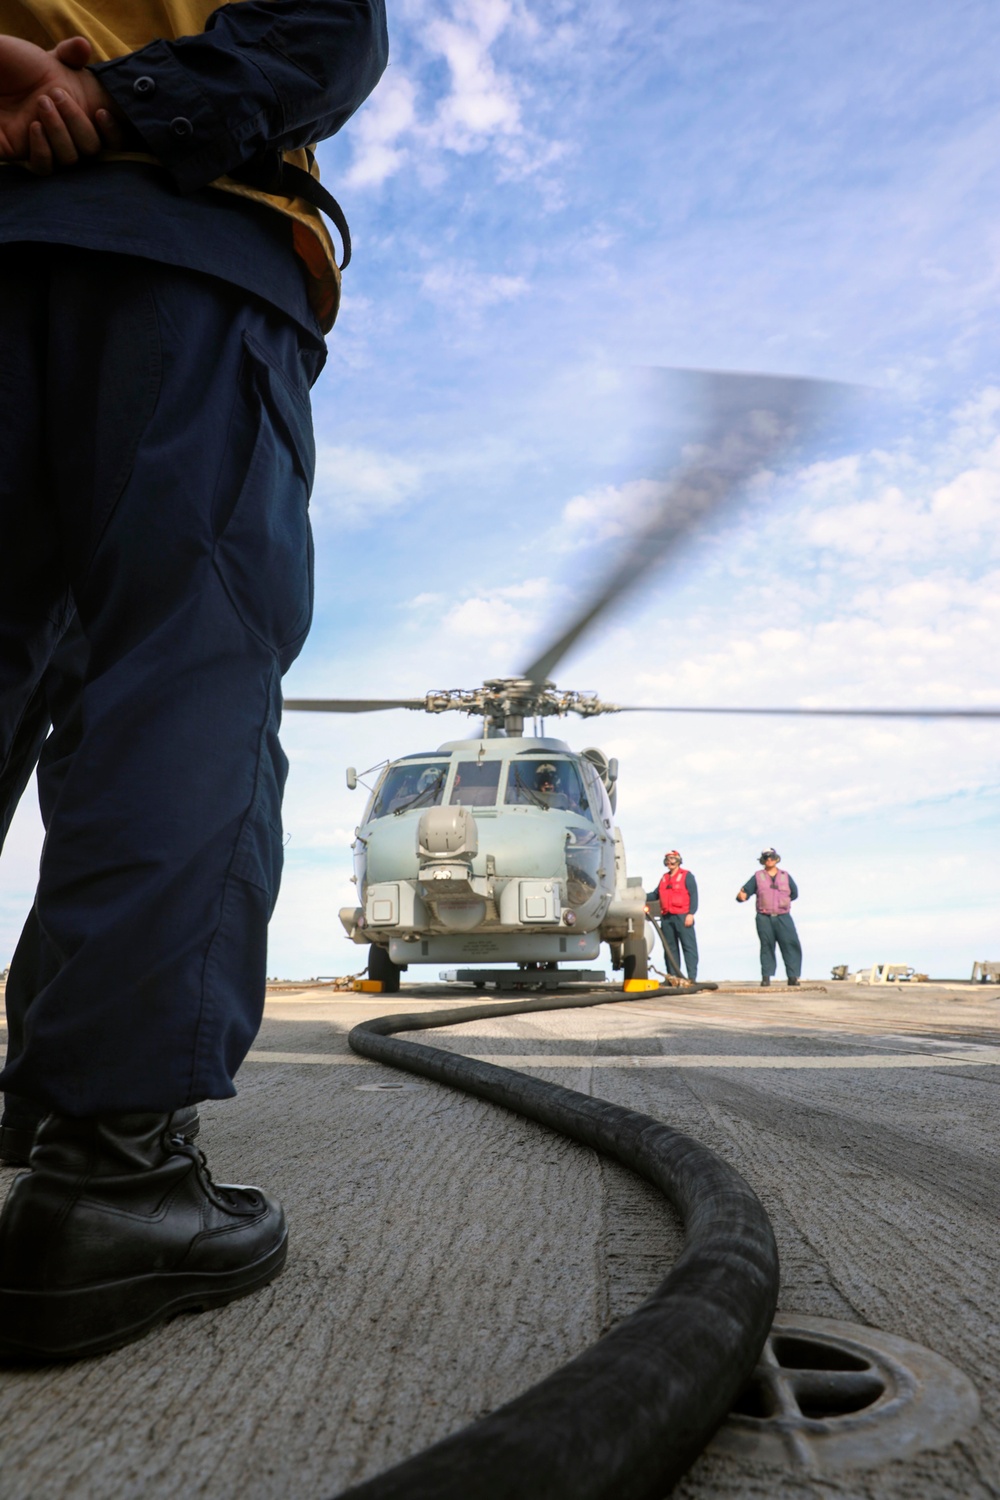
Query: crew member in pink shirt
[775, 891]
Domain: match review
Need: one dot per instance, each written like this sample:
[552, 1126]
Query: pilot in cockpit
[414, 788]
[404, 792]
[548, 785]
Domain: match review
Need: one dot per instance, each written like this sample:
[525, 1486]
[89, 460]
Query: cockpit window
[407, 786]
[598, 792]
[476, 783]
[544, 781]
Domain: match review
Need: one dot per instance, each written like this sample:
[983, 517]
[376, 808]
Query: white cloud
[482, 103]
[889, 525]
[971, 501]
[355, 485]
[611, 511]
[412, 120]
[462, 289]
[977, 420]
[513, 607]
[379, 129]
[486, 631]
[887, 509]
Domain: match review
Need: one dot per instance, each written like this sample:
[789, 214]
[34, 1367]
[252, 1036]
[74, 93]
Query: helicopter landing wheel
[635, 959]
[381, 966]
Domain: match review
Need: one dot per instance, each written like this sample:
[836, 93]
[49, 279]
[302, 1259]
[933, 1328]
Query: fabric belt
[271, 173]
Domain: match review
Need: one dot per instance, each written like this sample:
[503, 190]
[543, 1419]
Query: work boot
[765, 982]
[16, 1141]
[117, 1227]
[793, 982]
[21, 1122]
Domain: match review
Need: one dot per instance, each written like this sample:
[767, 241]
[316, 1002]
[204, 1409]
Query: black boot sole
[43, 1327]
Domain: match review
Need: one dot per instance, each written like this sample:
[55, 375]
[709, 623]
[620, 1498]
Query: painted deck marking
[974, 1057]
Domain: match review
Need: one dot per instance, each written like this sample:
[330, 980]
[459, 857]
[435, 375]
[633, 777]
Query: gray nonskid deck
[445, 1254]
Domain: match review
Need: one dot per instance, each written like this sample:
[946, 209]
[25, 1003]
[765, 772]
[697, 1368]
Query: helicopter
[502, 848]
[499, 849]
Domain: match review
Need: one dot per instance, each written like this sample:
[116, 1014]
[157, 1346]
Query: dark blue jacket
[264, 75]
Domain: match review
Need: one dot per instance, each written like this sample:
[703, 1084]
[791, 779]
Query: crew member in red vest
[677, 894]
[775, 891]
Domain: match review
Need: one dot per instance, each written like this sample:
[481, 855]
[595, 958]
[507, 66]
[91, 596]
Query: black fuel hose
[627, 1417]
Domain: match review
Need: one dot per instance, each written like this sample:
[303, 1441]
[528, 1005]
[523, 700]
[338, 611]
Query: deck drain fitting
[828, 1396]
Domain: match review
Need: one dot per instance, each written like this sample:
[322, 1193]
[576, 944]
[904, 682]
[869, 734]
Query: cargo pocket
[264, 553]
[259, 856]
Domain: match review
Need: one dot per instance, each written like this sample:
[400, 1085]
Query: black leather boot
[117, 1227]
[21, 1121]
[18, 1124]
[17, 1136]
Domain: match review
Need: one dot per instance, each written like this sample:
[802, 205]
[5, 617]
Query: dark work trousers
[678, 937]
[56, 702]
[23, 752]
[157, 459]
[779, 929]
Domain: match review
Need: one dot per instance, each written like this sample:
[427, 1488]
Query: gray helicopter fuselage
[460, 856]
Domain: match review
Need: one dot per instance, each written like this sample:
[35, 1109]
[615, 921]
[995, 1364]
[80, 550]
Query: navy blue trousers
[56, 703]
[779, 930]
[157, 460]
[677, 936]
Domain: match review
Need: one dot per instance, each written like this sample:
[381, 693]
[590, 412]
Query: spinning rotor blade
[352, 705]
[828, 713]
[749, 420]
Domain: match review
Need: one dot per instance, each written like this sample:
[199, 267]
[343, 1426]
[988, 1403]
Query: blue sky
[547, 198]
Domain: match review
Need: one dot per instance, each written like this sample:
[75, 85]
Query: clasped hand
[53, 110]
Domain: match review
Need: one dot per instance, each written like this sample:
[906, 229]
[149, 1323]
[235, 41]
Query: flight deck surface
[445, 1254]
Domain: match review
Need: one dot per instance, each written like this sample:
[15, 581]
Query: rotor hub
[505, 702]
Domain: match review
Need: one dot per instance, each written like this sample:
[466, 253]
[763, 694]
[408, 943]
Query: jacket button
[144, 87]
[181, 128]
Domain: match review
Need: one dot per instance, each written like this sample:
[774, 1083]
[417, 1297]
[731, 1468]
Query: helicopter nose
[447, 843]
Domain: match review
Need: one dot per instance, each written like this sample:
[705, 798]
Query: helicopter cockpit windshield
[544, 781]
[407, 786]
[476, 783]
